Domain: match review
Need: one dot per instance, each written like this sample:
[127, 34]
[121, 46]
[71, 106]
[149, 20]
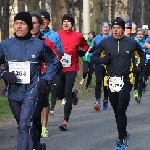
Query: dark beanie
[119, 21]
[68, 17]
[45, 14]
[92, 32]
[26, 17]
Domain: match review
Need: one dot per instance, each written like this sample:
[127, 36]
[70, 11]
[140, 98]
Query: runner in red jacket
[71, 42]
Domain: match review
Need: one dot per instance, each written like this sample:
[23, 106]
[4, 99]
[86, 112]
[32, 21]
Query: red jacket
[71, 41]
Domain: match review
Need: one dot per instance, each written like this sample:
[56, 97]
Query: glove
[107, 59]
[137, 70]
[60, 67]
[9, 77]
[81, 53]
[42, 85]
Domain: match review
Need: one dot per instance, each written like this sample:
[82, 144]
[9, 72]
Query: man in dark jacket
[22, 56]
[119, 51]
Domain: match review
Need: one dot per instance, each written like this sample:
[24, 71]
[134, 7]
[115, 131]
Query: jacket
[121, 53]
[33, 51]
[54, 37]
[71, 41]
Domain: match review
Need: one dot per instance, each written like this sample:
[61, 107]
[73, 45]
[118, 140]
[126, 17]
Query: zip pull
[118, 45]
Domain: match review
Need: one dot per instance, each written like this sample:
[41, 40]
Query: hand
[81, 53]
[60, 67]
[42, 85]
[137, 70]
[107, 59]
[9, 77]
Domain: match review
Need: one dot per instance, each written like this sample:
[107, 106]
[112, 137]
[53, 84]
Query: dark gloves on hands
[9, 77]
[42, 85]
[60, 67]
[137, 70]
[81, 53]
[107, 59]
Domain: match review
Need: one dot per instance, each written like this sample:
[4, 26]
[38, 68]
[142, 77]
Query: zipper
[118, 45]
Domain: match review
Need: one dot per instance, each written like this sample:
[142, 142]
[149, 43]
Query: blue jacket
[34, 51]
[54, 37]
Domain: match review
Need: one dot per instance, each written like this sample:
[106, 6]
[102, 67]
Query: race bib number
[66, 60]
[116, 84]
[21, 70]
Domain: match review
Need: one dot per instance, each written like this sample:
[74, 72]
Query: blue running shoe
[126, 139]
[120, 145]
[105, 104]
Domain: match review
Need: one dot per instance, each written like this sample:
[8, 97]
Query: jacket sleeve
[1, 59]
[58, 45]
[83, 44]
[51, 63]
[95, 58]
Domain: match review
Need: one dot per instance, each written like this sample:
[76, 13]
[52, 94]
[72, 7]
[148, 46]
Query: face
[105, 29]
[36, 27]
[21, 28]
[45, 23]
[67, 25]
[139, 35]
[133, 26]
[90, 36]
[117, 32]
[127, 30]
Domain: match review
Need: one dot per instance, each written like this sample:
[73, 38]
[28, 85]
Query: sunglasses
[127, 27]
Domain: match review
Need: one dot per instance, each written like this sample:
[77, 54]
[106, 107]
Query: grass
[5, 111]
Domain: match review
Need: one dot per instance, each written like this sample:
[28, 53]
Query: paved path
[88, 129]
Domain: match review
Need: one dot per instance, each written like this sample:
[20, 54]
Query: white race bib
[66, 60]
[147, 56]
[116, 84]
[21, 70]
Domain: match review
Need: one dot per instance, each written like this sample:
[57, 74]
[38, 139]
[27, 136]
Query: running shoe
[105, 104]
[82, 81]
[97, 106]
[120, 145]
[63, 125]
[44, 133]
[135, 94]
[126, 139]
[139, 100]
[52, 112]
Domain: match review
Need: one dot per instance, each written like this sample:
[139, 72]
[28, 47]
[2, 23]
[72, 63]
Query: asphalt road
[88, 129]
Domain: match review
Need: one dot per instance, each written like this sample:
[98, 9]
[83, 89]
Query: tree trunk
[96, 15]
[58, 9]
[137, 12]
[146, 16]
[129, 9]
[21, 5]
[32, 5]
[5, 25]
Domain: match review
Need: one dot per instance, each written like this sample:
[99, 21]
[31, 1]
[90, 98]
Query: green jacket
[86, 57]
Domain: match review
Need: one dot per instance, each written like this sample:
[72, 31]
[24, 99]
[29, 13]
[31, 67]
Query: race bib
[66, 60]
[147, 56]
[21, 70]
[116, 84]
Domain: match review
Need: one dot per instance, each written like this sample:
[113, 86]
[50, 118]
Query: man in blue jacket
[22, 56]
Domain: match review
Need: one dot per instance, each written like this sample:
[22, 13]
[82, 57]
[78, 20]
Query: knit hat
[129, 24]
[26, 17]
[119, 21]
[45, 14]
[92, 32]
[68, 17]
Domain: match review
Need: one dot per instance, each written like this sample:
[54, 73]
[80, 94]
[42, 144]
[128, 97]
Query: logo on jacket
[33, 56]
[127, 51]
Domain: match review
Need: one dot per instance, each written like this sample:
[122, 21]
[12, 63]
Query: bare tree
[146, 16]
[96, 15]
[137, 12]
[21, 5]
[5, 20]
[32, 5]
[58, 9]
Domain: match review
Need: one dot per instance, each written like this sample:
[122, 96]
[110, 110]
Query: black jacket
[122, 52]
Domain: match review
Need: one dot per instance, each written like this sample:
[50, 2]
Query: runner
[118, 51]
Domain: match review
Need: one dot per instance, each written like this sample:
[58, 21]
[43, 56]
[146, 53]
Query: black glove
[9, 77]
[81, 53]
[60, 67]
[137, 70]
[42, 85]
[107, 59]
